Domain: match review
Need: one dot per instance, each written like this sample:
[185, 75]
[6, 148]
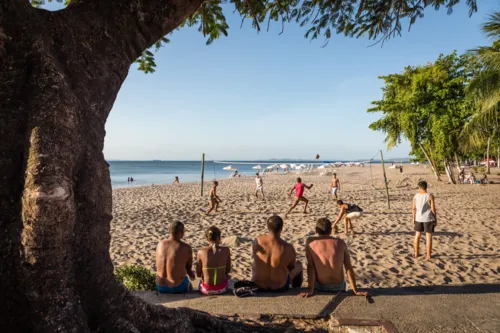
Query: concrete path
[443, 309]
[438, 309]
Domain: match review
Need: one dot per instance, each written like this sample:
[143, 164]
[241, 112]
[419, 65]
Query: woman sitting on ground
[213, 265]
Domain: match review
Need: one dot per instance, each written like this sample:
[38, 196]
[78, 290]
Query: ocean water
[164, 172]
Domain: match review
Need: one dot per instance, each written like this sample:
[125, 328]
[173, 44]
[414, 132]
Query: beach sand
[465, 245]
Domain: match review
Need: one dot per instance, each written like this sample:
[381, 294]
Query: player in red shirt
[299, 195]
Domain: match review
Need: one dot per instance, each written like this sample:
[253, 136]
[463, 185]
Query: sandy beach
[465, 245]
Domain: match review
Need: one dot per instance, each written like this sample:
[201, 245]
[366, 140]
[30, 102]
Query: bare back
[328, 255]
[173, 260]
[273, 259]
[213, 267]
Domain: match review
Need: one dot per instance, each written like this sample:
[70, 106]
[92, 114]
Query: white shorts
[334, 190]
[354, 215]
[259, 188]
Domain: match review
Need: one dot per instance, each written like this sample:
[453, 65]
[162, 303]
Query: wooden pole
[385, 180]
[202, 171]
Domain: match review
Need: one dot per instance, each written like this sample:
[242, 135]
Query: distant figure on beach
[259, 186]
[484, 180]
[335, 187]
[176, 181]
[424, 217]
[213, 265]
[214, 199]
[326, 258]
[131, 179]
[174, 261]
[400, 169]
[274, 266]
[461, 176]
[128, 180]
[351, 212]
[299, 195]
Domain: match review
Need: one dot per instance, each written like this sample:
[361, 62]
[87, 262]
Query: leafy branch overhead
[376, 20]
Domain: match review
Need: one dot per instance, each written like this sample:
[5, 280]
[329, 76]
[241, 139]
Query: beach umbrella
[229, 168]
[284, 166]
[257, 167]
[272, 166]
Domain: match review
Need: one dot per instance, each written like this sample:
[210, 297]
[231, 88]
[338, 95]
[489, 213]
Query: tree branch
[134, 25]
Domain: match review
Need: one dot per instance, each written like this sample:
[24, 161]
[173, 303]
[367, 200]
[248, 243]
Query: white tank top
[423, 205]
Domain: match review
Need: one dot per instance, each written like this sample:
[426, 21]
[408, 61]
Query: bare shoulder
[340, 242]
[163, 243]
[185, 246]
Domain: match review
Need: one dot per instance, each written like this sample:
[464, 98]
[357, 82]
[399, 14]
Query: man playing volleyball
[351, 212]
[299, 195]
[335, 187]
[259, 186]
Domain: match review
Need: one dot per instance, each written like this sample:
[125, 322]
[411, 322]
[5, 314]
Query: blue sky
[262, 95]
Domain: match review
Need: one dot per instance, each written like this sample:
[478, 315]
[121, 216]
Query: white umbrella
[284, 166]
[272, 166]
[229, 168]
[257, 167]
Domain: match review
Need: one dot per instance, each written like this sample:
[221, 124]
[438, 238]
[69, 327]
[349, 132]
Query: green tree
[427, 105]
[60, 73]
[484, 89]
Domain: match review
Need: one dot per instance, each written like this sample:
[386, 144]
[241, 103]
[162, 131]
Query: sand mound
[234, 241]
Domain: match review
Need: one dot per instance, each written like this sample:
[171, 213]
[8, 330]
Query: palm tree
[484, 89]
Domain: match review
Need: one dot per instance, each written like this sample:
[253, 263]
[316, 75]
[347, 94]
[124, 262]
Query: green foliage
[136, 278]
[374, 19]
[484, 89]
[427, 105]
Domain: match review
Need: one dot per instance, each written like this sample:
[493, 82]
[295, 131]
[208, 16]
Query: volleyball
[317, 156]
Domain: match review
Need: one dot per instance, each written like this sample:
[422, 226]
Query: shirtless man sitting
[174, 261]
[274, 266]
[326, 258]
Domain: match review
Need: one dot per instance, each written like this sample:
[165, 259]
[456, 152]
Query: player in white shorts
[259, 186]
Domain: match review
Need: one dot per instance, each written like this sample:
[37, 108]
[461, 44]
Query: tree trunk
[498, 157]
[60, 73]
[488, 156]
[449, 171]
[431, 162]
[457, 161]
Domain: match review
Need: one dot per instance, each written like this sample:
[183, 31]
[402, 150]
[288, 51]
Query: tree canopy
[377, 20]
[428, 106]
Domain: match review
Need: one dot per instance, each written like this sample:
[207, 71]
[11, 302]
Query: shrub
[136, 278]
[481, 169]
[474, 168]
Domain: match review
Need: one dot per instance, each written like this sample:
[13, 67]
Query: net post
[385, 180]
[202, 171]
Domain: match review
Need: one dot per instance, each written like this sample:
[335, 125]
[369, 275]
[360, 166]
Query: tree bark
[431, 163]
[60, 73]
[457, 161]
[449, 171]
[488, 156]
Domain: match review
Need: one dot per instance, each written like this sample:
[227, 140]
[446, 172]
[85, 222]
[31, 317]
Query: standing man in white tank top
[424, 217]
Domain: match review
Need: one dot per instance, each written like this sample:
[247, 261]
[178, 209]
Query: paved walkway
[439, 309]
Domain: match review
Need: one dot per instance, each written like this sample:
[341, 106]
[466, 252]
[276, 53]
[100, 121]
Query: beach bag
[245, 288]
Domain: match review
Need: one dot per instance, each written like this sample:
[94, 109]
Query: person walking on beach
[351, 212]
[326, 258]
[176, 181]
[424, 217]
[214, 199]
[299, 195]
[259, 186]
[174, 261]
[335, 187]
